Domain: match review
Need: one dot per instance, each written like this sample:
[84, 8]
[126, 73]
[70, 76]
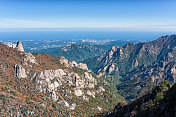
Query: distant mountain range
[79, 50]
[130, 56]
[139, 65]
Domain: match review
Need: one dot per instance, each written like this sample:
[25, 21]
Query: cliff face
[139, 66]
[19, 46]
[53, 80]
[142, 78]
[127, 58]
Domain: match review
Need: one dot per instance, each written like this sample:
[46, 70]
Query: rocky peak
[19, 46]
[67, 63]
[114, 48]
[29, 59]
[109, 54]
[131, 56]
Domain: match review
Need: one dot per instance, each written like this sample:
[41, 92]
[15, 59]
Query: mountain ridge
[41, 84]
[138, 66]
[134, 55]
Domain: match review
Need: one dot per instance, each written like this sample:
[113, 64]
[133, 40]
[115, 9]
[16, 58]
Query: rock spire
[19, 46]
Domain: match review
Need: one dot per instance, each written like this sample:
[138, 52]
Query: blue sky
[115, 14]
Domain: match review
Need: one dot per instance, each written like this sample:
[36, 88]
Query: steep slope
[160, 102]
[127, 58]
[47, 86]
[139, 66]
[142, 79]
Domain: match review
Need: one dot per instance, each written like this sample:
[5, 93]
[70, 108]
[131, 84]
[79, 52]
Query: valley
[87, 58]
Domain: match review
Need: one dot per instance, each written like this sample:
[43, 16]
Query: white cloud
[20, 23]
[23, 23]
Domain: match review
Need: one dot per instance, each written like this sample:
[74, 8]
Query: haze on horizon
[88, 14]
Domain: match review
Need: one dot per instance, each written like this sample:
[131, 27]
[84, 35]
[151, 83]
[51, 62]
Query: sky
[113, 14]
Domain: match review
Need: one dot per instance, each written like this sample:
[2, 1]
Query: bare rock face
[112, 68]
[58, 80]
[20, 71]
[153, 74]
[109, 54]
[73, 106]
[54, 96]
[90, 80]
[173, 72]
[78, 92]
[85, 98]
[91, 93]
[50, 80]
[74, 63]
[65, 62]
[83, 66]
[11, 45]
[79, 81]
[29, 59]
[19, 46]
[100, 89]
[51, 74]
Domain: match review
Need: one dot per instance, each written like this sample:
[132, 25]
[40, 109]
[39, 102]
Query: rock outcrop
[11, 45]
[91, 93]
[29, 59]
[73, 64]
[78, 92]
[19, 46]
[82, 66]
[52, 81]
[100, 89]
[20, 71]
